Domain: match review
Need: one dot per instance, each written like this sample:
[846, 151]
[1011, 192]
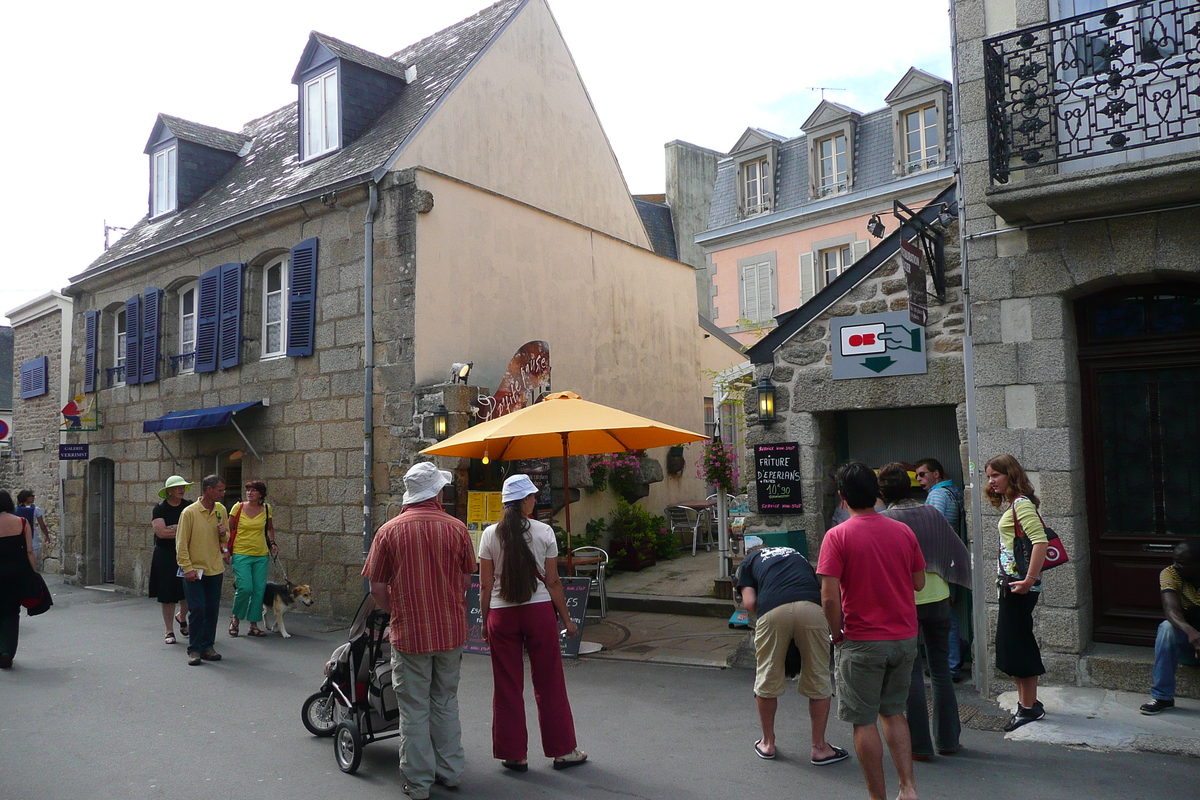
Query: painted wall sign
[576, 591]
[914, 272]
[526, 379]
[73, 452]
[877, 346]
[777, 478]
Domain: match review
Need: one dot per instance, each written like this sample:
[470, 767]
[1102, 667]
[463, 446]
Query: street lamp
[441, 422]
[766, 401]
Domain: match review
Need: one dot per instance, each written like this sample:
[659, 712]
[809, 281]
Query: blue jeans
[933, 620]
[204, 607]
[1171, 648]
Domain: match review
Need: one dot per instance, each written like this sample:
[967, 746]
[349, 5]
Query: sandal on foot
[838, 755]
[233, 627]
[571, 759]
[763, 754]
[169, 638]
[256, 632]
[516, 766]
[183, 626]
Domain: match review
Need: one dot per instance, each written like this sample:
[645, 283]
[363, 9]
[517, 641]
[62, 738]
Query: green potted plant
[635, 534]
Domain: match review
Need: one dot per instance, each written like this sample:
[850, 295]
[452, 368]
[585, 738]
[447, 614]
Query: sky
[94, 77]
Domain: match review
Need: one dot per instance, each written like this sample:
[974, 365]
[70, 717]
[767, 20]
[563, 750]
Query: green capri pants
[250, 577]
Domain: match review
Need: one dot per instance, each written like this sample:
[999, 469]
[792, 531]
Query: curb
[662, 604]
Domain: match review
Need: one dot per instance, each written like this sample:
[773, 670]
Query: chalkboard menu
[576, 590]
[777, 478]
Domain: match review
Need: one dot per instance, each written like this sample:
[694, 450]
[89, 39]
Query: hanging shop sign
[914, 273]
[777, 478]
[877, 346]
[73, 452]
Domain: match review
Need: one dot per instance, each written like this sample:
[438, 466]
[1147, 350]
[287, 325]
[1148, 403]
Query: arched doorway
[100, 550]
[1139, 366]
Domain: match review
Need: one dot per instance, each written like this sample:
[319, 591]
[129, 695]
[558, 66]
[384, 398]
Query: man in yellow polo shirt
[201, 552]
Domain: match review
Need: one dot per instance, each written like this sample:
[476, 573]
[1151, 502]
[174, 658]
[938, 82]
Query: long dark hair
[6, 504]
[518, 567]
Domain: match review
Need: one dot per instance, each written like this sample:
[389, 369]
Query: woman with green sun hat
[165, 583]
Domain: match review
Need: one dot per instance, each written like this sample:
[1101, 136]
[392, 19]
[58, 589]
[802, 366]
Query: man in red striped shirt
[419, 567]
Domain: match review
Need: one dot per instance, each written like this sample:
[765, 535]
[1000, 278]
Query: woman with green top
[1017, 652]
[251, 541]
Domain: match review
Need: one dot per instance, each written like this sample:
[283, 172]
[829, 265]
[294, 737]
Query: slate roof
[388, 66]
[656, 218]
[872, 169]
[206, 135]
[271, 175]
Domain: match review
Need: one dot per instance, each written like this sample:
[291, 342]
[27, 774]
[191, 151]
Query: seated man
[779, 585]
[1178, 639]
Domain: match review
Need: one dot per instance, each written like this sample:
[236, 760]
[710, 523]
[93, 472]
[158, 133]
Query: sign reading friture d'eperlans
[777, 477]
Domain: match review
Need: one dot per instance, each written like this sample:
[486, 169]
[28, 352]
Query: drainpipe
[981, 673]
[369, 366]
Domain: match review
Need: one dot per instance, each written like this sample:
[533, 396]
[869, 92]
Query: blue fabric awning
[196, 418]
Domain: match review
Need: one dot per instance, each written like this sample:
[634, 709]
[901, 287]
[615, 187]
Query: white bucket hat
[517, 487]
[172, 482]
[423, 481]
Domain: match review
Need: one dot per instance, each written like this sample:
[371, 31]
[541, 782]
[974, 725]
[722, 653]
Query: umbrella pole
[567, 503]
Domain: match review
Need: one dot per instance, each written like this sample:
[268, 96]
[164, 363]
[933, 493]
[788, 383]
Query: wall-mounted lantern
[441, 422]
[766, 401]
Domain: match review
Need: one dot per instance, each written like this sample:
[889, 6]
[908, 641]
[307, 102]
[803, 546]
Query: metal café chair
[685, 518]
[596, 570]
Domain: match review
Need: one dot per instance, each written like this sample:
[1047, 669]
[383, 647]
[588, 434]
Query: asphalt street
[98, 707]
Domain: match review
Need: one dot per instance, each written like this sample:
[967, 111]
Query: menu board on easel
[777, 477]
[576, 591]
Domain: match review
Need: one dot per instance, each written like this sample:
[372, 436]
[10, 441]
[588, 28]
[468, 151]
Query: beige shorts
[804, 622]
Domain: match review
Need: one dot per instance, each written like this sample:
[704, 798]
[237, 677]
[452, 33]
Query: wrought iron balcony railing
[1124, 78]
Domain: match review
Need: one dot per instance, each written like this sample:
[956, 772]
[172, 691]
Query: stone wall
[807, 397]
[36, 424]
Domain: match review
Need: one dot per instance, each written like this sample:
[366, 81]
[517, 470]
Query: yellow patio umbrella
[562, 424]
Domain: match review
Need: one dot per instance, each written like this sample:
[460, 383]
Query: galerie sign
[777, 477]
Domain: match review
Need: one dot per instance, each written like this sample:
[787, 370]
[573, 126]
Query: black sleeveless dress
[17, 578]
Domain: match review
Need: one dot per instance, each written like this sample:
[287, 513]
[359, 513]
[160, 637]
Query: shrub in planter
[635, 534]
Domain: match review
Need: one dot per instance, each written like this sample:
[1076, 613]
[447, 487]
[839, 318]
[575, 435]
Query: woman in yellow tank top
[252, 541]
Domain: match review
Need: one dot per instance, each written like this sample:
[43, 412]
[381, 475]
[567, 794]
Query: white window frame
[282, 264]
[187, 338]
[756, 186]
[119, 336]
[842, 256]
[164, 173]
[928, 152]
[827, 166]
[322, 138]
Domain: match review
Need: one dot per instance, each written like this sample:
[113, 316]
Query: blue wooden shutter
[133, 339]
[34, 375]
[207, 319]
[148, 359]
[91, 337]
[229, 337]
[302, 299]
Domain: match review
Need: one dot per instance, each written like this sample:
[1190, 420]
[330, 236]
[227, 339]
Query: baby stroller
[356, 704]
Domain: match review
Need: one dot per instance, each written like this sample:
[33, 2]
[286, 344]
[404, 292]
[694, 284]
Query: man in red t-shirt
[870, 567]
[419, 567]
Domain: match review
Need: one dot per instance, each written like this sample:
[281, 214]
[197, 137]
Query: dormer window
[163, 180]
[756, 183]
[756, 155]
[919, 103]
[831, 162]
[921, 138]
[321, 115]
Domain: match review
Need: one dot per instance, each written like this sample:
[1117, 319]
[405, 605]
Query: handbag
[1056, 551]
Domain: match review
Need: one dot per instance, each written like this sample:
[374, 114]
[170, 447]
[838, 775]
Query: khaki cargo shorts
[805, 622]
[873, 679]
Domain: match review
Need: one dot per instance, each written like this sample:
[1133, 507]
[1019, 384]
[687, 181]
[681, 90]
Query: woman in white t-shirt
[518, 559]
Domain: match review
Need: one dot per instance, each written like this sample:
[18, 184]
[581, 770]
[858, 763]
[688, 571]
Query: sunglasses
[922, 474]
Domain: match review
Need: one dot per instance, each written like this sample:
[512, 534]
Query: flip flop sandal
[183, 626]
[233, 627]
[169, 638]
[838, 755]
[763, 754]
[259, 632]
[571, 759]
[515, 766]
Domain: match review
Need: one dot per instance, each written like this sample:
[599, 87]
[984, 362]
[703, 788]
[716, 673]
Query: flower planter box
[636, 557]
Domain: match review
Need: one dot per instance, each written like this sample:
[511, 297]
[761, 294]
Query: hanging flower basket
[718, 467]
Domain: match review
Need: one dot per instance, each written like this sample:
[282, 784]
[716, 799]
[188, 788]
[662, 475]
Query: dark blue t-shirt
[779, 575]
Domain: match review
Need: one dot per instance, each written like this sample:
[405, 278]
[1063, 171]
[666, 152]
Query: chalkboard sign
[777, 478]
[576, 590]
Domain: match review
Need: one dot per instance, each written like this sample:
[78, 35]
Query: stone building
[291, 306]
[41, 333]
[1081, 175]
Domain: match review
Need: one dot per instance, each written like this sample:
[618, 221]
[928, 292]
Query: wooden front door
[1139, 358]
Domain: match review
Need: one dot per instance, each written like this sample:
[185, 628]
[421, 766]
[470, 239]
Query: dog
[278, 599]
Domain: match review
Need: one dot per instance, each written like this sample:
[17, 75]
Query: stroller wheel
[347, 746]
[317, 714]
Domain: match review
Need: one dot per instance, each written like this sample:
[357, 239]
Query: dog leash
[279, 566]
